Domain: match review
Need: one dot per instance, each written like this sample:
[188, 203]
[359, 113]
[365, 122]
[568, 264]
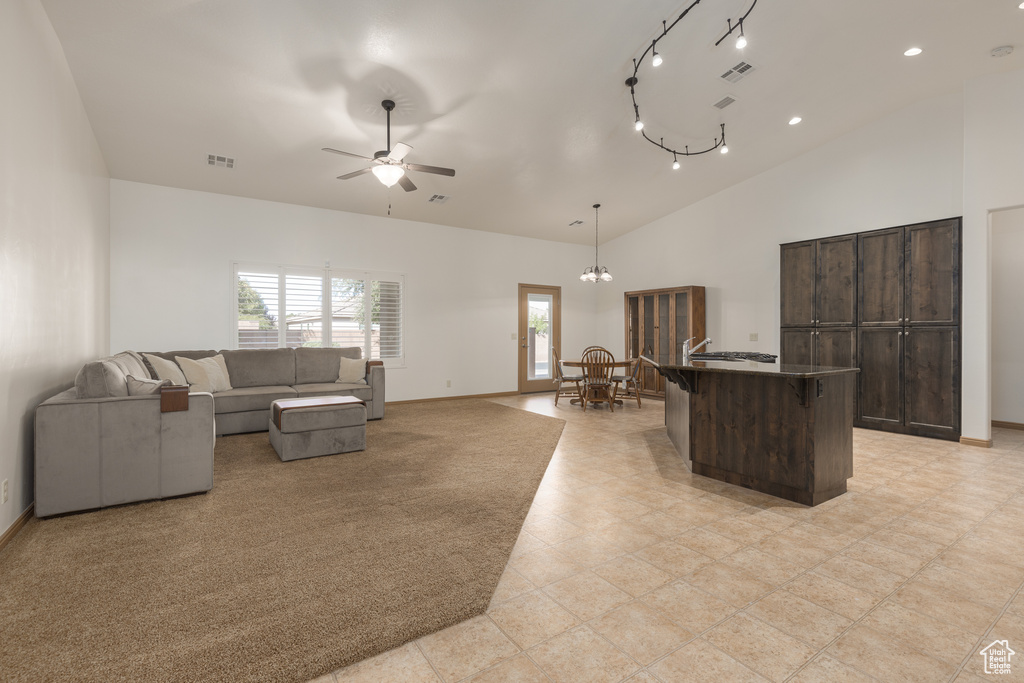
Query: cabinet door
[797, 345]
[933, 273]
[880, 285]
[836, 347]
[633, 327]
[682, 325]
[932, 371]
[797, 284]
[836, 289]
[879, 382]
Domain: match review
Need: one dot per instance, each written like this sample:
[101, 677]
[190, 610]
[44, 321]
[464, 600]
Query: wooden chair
[598, 386]
[630, 382]
[568, 385]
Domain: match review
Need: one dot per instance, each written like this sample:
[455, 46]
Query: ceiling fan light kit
[656, 60]
[389, 165]
[596, 273]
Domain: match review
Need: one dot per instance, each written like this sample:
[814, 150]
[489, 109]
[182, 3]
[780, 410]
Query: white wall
[905, 168]
[171, 285]
[993, 180]
[54, 237]
[1007, 321]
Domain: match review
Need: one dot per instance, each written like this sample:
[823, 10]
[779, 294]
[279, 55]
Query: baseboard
[451, 398]
[9, 535]
[1008, 425]
[981, 443]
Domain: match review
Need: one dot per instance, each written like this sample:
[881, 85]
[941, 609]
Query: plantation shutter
[256, 297]
[304, 310]
[389, 319]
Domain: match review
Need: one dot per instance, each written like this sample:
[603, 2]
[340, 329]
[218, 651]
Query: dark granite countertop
[748, 367]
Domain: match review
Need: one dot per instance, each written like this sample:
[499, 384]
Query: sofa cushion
[360, 391]
[143, 386]
[313, 365]
[260, 367]
[101, 379]
[161, 368]
[351, 371]
[206, 374]
[169, 355]
[240, 400]
[132, 364]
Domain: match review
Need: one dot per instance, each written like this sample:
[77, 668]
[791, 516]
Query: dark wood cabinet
[906, 336]
[658, 321]
[817, 286]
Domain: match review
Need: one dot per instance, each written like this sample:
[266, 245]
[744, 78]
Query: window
[283, 306]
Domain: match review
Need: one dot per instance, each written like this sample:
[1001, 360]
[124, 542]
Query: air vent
[223, 162]
[439, 198]
[737, 72]
[575, 223]
[725, 101]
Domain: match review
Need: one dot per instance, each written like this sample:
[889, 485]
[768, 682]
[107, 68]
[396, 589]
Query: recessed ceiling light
[1002, 50]
[913, 52]
[795, 120]
[1021, 5]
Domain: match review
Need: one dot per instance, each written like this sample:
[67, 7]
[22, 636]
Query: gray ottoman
[310, 427]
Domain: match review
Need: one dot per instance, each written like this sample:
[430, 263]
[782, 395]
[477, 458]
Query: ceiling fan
[388, 164]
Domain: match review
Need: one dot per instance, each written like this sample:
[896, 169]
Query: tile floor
[630, 568]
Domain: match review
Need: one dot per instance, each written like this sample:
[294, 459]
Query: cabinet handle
[900, 333]
[900, 320]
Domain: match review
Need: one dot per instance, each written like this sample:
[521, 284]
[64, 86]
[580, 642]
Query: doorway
[540, 336]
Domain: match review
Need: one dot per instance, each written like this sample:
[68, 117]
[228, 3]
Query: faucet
[687, 350]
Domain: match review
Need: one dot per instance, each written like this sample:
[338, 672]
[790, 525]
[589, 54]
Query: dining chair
[567, 385]
[629, 381]
[598, 386]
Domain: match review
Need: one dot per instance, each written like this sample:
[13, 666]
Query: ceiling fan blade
[430, 169]
[353, 174]
[406, 183]
[399, 152]
[346, 154]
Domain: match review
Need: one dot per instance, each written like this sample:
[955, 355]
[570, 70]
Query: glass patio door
[539, 336]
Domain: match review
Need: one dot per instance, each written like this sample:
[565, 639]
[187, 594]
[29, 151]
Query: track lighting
[595, 273]
[741, 42]
[656, 60]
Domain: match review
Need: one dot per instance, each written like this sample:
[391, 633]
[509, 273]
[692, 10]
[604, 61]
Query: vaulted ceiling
[526, 99]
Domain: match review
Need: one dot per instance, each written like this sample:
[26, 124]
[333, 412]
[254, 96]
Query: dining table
[625, 364]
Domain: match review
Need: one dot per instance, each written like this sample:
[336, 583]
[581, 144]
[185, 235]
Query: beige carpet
[284, 571]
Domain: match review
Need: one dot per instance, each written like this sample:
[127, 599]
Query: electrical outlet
[753, 336]
[5, 490]
[448, 384]
[513, 336]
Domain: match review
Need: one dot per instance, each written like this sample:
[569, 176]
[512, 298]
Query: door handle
[526, 346]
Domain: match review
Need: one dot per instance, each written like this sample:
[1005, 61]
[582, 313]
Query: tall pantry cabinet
[904, 296]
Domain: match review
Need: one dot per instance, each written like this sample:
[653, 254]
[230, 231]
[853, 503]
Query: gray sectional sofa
[96, 445]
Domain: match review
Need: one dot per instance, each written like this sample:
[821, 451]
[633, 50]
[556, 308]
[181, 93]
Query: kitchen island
[784, 430]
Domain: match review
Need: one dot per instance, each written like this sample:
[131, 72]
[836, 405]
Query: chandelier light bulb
[605, 275]
[741, 42]
[675, 165]
[639, 125]
[725, 149]
[656, 60]
[388, 174]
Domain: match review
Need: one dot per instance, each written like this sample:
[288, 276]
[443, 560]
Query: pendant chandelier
[596, 273]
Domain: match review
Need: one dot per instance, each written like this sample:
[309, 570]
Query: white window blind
[290, 306]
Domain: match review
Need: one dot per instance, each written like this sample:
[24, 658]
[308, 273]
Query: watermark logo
[997, 657]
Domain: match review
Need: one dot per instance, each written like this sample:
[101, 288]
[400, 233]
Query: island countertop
[749, 367]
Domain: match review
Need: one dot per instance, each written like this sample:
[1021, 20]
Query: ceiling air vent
[725, 101]
[737, 72]
[439, 198]
[223, 162]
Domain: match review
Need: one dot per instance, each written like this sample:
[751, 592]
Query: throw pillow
[167, 369]
[352, 371]
[206, 374]
[145, 386]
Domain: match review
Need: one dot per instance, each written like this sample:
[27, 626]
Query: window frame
[326, 275]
